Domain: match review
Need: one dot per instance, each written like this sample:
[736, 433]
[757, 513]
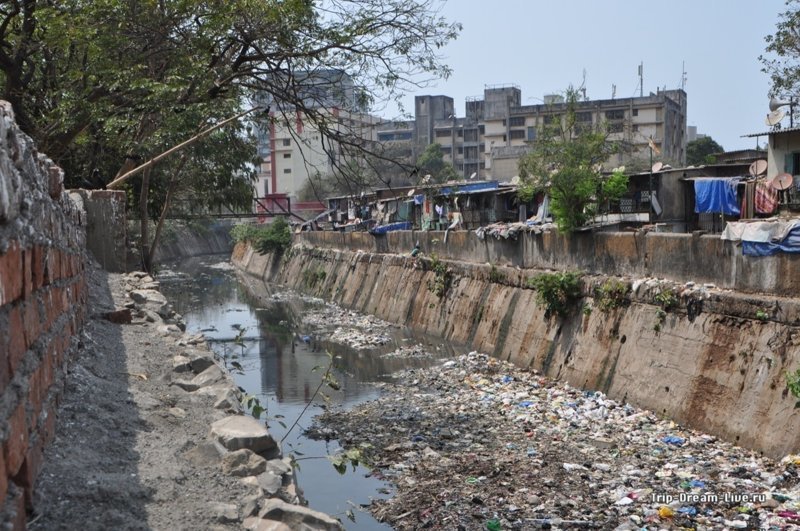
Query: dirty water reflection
[273, 340]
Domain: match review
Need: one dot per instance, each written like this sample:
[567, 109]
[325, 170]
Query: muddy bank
[150, 432]
[714, 360]
[478, 443]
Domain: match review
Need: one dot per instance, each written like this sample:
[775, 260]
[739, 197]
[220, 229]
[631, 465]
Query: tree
[102, 85]
[782, 58]
[565, 163]
[431, 162]
[701, 151]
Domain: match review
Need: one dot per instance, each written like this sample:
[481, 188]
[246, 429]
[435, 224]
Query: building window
[517, 121]
[616, 114]
[636, 112]
[443, 133]
[460, 133]
[287, 155]
[635, 128]
[460, 150]
[286, 142]
[531, 133]
[551, 119]
[583, 116]
[615, 127]
[481, 130]
[446, 150]
[504, 122]
[287, 170]
[517, 134]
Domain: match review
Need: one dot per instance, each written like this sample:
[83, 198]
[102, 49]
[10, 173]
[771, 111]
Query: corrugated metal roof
[773, 132]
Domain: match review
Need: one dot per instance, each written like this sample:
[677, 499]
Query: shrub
[442, 277]
[559, 292]
[612, 294]
[275, 237]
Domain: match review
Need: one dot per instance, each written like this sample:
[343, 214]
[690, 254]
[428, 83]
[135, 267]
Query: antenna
[613, 92]
[775, 104]
[774, 118]
[641, 79]
[683, 75]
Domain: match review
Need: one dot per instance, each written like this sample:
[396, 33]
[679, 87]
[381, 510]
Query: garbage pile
[477, 443]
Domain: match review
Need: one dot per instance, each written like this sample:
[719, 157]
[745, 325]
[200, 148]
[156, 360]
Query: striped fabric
[766, 198]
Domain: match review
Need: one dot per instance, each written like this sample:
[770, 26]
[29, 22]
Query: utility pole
[641, 79]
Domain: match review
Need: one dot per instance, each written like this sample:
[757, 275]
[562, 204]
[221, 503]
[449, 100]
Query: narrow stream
[264, 337]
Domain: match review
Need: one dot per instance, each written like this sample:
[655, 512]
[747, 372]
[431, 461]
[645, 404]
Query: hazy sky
[543, 46]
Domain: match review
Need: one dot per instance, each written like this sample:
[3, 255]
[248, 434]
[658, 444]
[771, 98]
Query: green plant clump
[793, 385]
[312, 277]
[442, 279]
[496, 276]
[666, 299]
[275, 237]
[762, 315]
[559, 292]
[612, 294]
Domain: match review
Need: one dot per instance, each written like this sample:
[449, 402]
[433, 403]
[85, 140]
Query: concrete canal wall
[678, 257]
[715, 362]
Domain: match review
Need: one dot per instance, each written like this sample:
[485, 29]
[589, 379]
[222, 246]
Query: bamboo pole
[119, 181]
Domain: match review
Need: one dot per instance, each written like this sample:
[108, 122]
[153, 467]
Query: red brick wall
[43, 304]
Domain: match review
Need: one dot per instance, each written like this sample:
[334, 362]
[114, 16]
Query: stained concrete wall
[105, 227]
[721, 371]
[678, 257]
[42, 307]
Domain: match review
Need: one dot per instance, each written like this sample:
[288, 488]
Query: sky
[544, 46]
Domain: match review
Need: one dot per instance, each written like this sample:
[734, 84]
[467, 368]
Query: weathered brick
[15, 339]
[27, 272]
[32, 324]
[16, 445]
[54, 264]
[3, 482]
[30, 469]
[11, 275]
[37, 266]
[48, 427]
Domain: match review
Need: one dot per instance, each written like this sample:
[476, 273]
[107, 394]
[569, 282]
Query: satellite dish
[515, 180]
[775, 117]
[473, 175]
[758, 167]
[657, 167]
[411, 192]
[427, 178]
[782, 181]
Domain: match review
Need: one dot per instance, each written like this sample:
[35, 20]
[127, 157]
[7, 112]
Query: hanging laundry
[766, 198]
[715, 196]
[748, 200]
[419, 199]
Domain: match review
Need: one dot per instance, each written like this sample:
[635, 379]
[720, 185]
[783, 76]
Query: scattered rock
[239, 431]
[119, 316]
[269, 483]
[243, 462]
[225, 513]
[298, 517]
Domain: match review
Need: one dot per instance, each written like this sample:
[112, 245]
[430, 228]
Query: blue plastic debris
[688, 510]
[526, 403]
[673, 440]
[506, 379]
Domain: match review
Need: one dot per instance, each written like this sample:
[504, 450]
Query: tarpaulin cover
[716, 196]
[790, 244]
[383, 229]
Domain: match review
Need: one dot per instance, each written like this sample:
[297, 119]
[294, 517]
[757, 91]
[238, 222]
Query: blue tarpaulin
[383, 229]
[790, 244]
[716, 196]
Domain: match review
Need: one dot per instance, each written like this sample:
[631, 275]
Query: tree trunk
[170, 188]
[143, 245]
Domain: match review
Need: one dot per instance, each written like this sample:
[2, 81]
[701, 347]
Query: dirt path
[131, 450]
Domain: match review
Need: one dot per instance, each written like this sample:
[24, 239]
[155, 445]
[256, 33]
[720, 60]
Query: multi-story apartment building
[497, 130]
[487, 143]
[292, 147]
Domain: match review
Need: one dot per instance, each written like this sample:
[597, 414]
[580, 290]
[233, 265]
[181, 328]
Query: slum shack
[351, 212]
[473, 204]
